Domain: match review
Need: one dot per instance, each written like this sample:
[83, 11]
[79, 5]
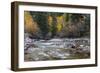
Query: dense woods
[47, 25]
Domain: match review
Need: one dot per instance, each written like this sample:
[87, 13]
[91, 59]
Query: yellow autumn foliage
[59, 23]
[30, 25]
[59, 27]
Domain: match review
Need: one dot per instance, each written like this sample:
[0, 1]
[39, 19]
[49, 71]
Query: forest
[47, 25]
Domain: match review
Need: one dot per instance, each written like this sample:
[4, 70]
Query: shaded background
[47, 25]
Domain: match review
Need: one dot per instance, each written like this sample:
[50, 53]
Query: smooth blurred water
[55, 48]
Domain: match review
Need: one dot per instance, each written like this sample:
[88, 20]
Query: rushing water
[56, 49]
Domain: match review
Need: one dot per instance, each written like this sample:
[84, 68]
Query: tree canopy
[60, 25]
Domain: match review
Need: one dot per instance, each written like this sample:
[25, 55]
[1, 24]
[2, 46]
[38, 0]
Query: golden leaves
[59, 23]
[30, 24]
